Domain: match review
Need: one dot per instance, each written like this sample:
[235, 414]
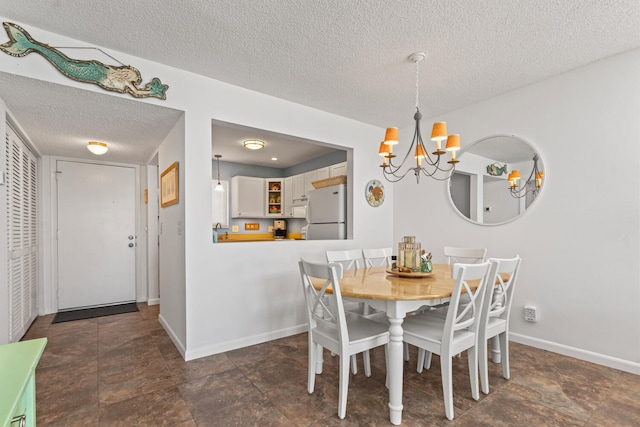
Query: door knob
[130, 245]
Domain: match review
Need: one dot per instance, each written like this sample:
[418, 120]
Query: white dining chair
[456, 333]
[332, 328]
[349, 260]
[377, 257]
[464, 255]
[494, 320]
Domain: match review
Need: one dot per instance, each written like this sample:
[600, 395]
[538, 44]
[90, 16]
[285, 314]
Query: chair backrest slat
[498, 297]
[469, 316]
[465, 255]
[376, 257]
[349, 260]
[323, 308]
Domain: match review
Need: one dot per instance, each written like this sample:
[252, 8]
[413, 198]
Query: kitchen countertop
[256, 237]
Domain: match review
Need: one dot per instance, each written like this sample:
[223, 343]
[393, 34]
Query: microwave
[299, 208]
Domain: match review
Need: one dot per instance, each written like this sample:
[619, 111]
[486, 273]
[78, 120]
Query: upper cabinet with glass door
[275, 197]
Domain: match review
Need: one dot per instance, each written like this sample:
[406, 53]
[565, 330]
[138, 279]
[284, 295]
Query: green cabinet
[18, 363]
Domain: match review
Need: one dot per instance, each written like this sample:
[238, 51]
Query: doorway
[96, 234]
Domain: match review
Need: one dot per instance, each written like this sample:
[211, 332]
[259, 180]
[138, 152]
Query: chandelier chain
[417, 91]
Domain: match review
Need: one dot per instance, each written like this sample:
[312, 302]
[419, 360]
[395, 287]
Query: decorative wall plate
[374, 192]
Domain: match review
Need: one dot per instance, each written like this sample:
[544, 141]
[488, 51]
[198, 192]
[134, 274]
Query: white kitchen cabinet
[248, 197]
[287, 188]
[338, 169]
[309, 177]
[299, 187]
[323, 173]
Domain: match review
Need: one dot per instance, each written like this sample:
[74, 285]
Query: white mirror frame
[476, 163]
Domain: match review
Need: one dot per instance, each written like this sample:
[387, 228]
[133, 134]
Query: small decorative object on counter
[408, 254]
[425, 262]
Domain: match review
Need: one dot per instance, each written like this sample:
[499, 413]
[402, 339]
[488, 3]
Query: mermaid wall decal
[123, 79]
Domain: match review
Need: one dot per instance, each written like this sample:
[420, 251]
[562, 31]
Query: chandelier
[425, 164]
[531, 186]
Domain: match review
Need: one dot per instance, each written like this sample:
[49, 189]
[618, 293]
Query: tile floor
[123, 370]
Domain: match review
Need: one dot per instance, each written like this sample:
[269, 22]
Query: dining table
[397, 294]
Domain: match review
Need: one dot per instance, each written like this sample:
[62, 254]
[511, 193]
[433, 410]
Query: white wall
[219, 297]
[152, 235]
[171, 258]
[579, 240]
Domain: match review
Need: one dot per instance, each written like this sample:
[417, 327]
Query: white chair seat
[431, 330]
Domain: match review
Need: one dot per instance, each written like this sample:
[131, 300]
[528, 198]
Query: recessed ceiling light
[274, 158]
[253, 144]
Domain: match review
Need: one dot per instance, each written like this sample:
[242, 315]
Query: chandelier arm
[432, 174]
[396, 178]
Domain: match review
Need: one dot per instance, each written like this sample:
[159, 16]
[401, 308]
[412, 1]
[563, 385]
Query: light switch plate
[1, 177]
[252, 226]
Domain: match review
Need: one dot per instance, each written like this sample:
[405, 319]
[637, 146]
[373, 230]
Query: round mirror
[497, 180]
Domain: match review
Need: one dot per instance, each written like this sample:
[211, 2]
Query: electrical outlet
[530, 313]
[234, 228]
[271, 229]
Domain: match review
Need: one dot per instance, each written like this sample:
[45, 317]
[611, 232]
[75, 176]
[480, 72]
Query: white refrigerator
[327, 213]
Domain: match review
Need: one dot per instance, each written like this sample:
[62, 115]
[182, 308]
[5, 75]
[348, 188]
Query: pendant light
[218, 186]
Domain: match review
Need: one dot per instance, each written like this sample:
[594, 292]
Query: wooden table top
[375, 283]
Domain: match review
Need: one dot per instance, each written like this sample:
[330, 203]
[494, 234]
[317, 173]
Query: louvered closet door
[22, 235]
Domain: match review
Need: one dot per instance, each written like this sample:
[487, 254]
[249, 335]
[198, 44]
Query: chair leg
[420, 364]
[367, 363]
[311, 370]
[484, 365]
[447, 384]
[318, 356]
[504, 353]
[354, 364]
[472, 355]
[343, 387]
[405, 350]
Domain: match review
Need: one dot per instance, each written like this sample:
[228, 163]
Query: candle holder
[409, 254]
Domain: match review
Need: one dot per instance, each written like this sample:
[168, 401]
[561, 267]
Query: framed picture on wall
[169, 186]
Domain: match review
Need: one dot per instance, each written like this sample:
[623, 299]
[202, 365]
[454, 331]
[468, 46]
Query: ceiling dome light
[253, 144]
[97, 148]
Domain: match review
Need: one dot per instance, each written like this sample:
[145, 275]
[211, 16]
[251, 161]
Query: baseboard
[153, 301]
[209, 350]
[589, 356]
[172, 335]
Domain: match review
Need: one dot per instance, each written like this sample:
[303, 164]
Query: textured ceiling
[350, 57]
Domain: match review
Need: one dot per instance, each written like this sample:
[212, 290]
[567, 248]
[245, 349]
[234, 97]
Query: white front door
[96, 234]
